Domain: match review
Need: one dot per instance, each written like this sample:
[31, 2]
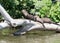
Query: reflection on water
[52, 38]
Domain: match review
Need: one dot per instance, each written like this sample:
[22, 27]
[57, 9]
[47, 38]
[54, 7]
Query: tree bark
[32, 25]
[4, 25]
[35, 25]
[5, 14]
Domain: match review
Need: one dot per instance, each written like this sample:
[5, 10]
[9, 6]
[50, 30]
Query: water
[42, 37]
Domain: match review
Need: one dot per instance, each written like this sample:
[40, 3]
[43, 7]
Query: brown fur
[37, 18]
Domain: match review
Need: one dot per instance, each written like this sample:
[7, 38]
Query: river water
[42, 37]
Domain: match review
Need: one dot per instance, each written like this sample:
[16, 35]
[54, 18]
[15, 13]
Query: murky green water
[31, 37]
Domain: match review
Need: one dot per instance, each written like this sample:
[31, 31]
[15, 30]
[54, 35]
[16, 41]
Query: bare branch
[5, 14]
[4, 25]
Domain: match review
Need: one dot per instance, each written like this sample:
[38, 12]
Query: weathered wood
[38, 25]
[35, 25]
[4, 25]
[5, 14]
[31, 25]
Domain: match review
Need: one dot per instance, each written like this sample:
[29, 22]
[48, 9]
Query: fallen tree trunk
[39, 25]
[28, 25]
[31, 25]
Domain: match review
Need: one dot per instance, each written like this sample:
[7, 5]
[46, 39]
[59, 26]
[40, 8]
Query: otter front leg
[38, 19]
